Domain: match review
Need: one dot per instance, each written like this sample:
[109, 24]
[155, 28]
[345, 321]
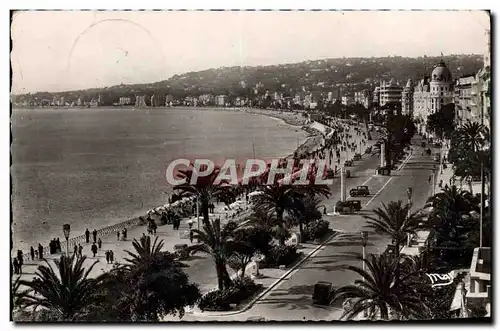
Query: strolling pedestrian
[191, 235]
[32, 253]
[94, 249]
[40, 251]
[75, 250]
[94, 234]
[111, 256]
[15, 264]
[80, 250]
[87, 236]
[58, 246]
[118, 235]
[36, 254]
[107, 256]
[20, 257]
[99, 243]
[124, 234]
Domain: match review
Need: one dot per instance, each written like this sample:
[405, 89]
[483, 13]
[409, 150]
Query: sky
[69, 50]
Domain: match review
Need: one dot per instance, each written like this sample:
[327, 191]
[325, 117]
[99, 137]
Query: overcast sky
[56, 51]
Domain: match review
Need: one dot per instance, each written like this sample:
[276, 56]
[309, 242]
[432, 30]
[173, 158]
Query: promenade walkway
[200, 268]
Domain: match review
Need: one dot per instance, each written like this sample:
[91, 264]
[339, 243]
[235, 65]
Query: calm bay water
[95, 167]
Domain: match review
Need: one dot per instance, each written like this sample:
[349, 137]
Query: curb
[272, 286]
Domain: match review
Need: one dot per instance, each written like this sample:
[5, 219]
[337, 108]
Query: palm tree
[67, 291]
[205, 189]
[449, 208]
[217, 241]
[307, 210]
[378, 294]
[151, 285]
[394, 220]
[472, 136]
[280, 198]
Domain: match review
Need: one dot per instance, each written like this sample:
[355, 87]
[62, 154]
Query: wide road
[291, 300]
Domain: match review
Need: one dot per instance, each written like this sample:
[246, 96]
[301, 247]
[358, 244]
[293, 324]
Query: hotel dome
[441, 73]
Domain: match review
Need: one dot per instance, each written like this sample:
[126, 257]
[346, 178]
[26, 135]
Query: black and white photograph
[261, 166]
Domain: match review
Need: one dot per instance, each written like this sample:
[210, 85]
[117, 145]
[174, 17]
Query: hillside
[322, 76]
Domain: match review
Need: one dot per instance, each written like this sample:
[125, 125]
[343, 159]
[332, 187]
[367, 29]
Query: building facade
[407, 98]
[124, 101]
[364, 98]
[431, 93]
[390, 92]
[140, 101]
[465, 99]
[221, 100]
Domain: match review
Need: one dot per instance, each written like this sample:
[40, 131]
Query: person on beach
[111, 256]
[15, 263]
[94, 249]
[107, 256]
[94, 235]
[80, 250]
[32, 253]
[20, 257]
[87, 236]
[99, 243]
[40, 251]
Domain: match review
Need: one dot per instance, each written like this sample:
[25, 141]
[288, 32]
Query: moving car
[359, 191]
[348, 163]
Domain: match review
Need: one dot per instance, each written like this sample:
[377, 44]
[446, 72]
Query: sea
[96, 167]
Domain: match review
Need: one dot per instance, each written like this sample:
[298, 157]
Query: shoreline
[291, 119]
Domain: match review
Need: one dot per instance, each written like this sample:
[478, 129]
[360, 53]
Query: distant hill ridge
[322, 76]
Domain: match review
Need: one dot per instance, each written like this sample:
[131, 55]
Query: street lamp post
[67, 231]
[409, 192]
[364, 241]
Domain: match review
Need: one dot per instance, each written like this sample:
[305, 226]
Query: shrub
[216, 301]
[240, 290]
[316, 229]
[280, 255]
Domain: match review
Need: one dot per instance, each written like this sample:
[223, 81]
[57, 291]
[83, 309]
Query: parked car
[357, 157]
[359, 190]
[356, 204]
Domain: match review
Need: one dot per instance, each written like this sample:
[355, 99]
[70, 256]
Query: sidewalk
[445, 175]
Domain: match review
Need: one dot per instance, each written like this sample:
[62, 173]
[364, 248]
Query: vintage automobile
[357, 157]
[359, 191]
[348, 206]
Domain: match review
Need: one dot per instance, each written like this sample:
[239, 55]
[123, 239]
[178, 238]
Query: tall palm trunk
[279, 217]
[205, 211]
[223, 279]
